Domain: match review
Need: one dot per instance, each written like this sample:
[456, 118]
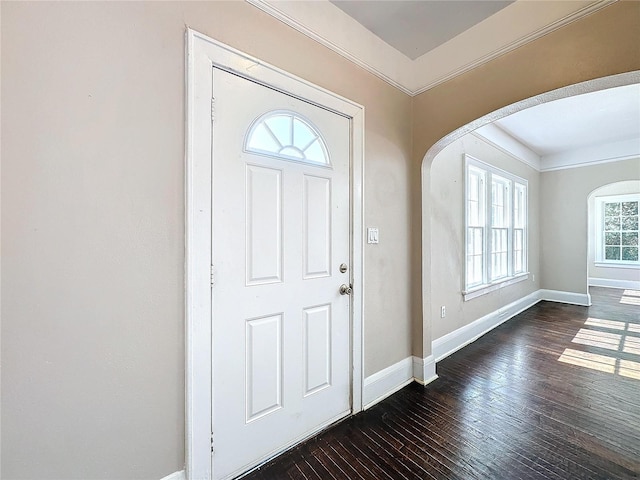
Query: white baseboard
[424, 370]
[386, 382]
[181, 475]
[583, 299]
[444, 346]
[610, 283]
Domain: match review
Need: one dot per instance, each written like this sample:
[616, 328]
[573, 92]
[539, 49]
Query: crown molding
[504, 142]
[518, 24]
[592, 155]
[320, 20]
[433, 65]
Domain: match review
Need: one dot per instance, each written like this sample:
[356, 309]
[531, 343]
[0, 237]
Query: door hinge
[212, 443]
[212, 276]
[213, 109]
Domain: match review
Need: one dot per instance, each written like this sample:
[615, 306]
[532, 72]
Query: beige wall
[93, 209]
[447, 235]
[93, 225]
[604, 43]
[563, 205]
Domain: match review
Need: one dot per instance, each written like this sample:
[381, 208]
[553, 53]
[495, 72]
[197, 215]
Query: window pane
[612, 224]
[519, 206]
[478, 243]
[611, 238]
[630, 223]
[630, 254]
[611, 209]
[612, 253]
[285, 136]
[302, 134]
[518, 251]
[263, 139]
[500, 201]
[629, 208]
[629, 238]
[316, 153]
[499, 253]
[475, 254]
[475, 199]
[477, 266]
[474, 179]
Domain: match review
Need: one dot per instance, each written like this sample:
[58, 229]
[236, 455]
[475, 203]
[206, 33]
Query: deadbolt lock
[343, 268]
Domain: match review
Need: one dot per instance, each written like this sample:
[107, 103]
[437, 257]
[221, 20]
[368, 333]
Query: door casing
[203, 53]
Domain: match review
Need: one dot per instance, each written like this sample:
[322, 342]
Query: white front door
[281, 327]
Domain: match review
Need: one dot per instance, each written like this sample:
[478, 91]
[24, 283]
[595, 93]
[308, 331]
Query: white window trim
[497, 285]
[599, 260]
[489, 286]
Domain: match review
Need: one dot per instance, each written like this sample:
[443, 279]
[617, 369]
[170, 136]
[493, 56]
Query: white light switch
[372, 235]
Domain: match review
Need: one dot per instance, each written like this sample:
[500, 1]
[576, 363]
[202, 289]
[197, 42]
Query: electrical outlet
[443, 311]
[533, 277]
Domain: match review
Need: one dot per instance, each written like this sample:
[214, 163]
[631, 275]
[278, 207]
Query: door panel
[317, 351]
[264, 366]
[281, 329]
[264, 225]
[317, 226]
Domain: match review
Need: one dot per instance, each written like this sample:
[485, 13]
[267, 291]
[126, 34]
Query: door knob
[345, 289]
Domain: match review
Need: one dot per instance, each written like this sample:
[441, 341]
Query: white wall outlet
[443, 311]
[372, 235]
[533, 277]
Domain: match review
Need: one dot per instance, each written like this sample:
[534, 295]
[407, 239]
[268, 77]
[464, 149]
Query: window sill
[617, 265]
[492, 287]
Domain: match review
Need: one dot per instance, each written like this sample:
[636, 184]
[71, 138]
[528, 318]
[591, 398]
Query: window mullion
[488, 227]
[510, 227]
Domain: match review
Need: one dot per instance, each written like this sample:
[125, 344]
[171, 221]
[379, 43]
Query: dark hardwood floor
[554, 393]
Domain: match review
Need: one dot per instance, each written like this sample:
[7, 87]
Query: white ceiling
[594, 127]
[417, 27]
[571, 123]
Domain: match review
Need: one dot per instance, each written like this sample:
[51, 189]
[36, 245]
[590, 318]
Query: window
[287, 136]
[617, 229]
[496, 228]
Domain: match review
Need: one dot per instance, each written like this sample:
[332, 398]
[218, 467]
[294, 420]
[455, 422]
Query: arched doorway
[429, 198]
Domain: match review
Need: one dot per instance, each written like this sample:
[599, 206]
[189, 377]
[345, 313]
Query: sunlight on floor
[631, 345]
[629, 369]
[611, 324]
[619, 337]
[630, 300]
[593, 361]
[596, 338]
[630, 297]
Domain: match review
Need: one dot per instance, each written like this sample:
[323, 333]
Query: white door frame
[203, 53]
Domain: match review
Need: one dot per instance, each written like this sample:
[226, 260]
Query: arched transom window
[288, 136]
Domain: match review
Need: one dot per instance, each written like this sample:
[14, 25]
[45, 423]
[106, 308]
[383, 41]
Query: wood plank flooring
[554, 393]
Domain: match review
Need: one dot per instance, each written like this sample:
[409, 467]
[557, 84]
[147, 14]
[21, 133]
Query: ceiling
[596, 118]
[417, 27]
[593, 127]
[418, 44]
[415, 45]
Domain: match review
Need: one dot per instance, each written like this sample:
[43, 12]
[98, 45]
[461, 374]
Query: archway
[427, 198]
[599, 272]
